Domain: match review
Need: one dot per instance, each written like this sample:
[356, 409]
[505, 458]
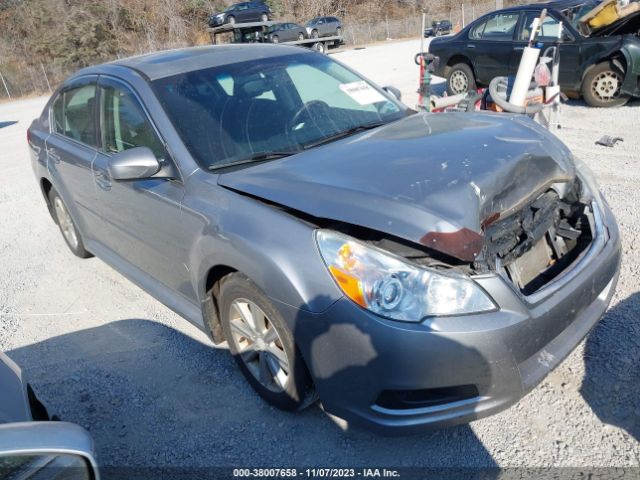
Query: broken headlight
[391, 287]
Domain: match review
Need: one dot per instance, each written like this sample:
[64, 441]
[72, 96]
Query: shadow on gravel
[153, 396]
[611, 385]
[8, 124]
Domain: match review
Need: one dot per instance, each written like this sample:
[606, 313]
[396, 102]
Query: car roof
[173, 62]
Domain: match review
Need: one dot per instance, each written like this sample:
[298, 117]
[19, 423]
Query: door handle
[103, 181]
[518, 48]
[470, 45]
[53, 155]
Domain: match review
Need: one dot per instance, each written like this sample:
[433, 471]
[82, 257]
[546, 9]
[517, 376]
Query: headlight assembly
[391, 287]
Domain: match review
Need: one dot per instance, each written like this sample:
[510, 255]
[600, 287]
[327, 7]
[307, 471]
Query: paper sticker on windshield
[362, 93]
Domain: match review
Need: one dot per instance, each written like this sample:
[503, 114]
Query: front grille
[540, 241]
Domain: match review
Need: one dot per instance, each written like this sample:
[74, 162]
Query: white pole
[462, 7]
[5, 86]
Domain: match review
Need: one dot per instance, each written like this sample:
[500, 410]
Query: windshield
[281, 104]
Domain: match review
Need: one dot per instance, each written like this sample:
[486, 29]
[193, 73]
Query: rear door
[548, 36]
[141, 218]
[244, 13]
[490, 45]
[71, 148]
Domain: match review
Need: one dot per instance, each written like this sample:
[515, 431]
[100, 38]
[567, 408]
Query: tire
[275, 39]
[281, 378]
[68, 228]
[300, 36]
[319, 47]
[601, 86]
[338, 31]
[315, 34]
[264, 17]
[231, 20]
[460, 79]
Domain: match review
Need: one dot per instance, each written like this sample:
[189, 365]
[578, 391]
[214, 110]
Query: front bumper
[357, 358]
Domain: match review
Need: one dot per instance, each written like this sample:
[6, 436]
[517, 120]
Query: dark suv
[443, 27]
[324, 27]
[242, 13]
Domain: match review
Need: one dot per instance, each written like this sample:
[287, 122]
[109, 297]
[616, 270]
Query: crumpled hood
[433, 179]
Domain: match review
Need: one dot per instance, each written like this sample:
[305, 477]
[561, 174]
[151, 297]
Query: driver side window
[124, 123]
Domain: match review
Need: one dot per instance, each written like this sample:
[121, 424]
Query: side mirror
[133, 164]
[393, 91]
[55, 450]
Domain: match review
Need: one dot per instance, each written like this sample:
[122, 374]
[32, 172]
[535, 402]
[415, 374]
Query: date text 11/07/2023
[315, 473]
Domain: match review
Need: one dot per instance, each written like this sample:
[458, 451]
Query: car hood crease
[433, 179]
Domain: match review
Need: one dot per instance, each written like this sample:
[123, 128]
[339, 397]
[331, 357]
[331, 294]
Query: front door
[141, 218]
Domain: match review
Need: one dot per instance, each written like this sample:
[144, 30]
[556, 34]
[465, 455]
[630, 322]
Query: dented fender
[631, 52]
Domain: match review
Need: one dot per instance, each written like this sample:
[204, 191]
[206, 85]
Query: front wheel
[264, 17]
[338, 31]
[231, 20]
[67, 227]
[300, 36]
[319, 47]
[601, 86]
[315, 34]
[263, 346]
[460, 79]
[275, 39]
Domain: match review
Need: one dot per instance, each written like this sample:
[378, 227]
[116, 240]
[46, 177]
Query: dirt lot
[153, 391]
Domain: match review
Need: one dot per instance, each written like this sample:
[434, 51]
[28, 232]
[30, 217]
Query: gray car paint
[168, 236]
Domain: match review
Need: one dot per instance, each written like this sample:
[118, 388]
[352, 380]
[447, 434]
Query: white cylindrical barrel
[523, 77]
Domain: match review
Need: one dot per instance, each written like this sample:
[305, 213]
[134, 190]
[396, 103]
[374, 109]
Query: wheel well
[617, 58]
[459, 59]
[211, 309]
[46, 186]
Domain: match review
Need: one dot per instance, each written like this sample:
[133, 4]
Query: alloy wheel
[459, 82]
[259, 345]
[65, 223]
[606, 86]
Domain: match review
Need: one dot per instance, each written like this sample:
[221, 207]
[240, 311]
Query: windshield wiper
[254, 158]
[345, 133]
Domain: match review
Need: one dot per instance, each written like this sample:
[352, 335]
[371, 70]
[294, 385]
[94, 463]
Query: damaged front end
[537, 244]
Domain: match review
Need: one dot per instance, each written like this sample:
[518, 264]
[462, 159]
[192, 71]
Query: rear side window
[74, 114]
[124, 123]
[497, 27]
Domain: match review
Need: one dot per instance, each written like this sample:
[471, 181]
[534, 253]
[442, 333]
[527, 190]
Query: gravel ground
[153, 391]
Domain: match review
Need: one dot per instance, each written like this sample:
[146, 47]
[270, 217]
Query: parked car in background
[32, 446]
[443, 27]
[344, 246]
[286, 32]
[242, 13]
[324, 27]
[603, 67]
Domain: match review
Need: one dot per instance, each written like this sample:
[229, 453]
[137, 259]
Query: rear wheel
[319, 47]
[263, 346]
[460, 79]
[315, 34]
[601, 86]
[301, 36]
[67, 227]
